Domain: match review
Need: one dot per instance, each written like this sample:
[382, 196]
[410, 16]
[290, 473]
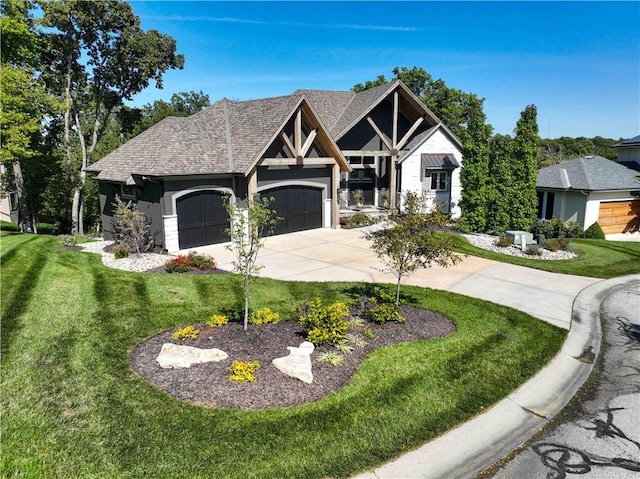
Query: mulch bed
[163, 270]
[207, 384]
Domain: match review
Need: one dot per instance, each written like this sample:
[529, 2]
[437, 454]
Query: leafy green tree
[250, 221]
[23, 103]
[524, 172]
[97, 55]
[136, 120]
[475, 172]
[500, 184]
[413, 243]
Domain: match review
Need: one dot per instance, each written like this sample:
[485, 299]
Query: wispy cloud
[248, 21]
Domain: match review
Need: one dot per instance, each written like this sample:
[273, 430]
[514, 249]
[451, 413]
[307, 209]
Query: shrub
[594, 232]
[385, 312]
[217, 320]
[503, 242]
[556, 244]
[264, 316]
[556, 228]
[356, 221]
[188, 332]
[368, 334]
[131, 227]
[67, 240]
[192, 261]
[325, 324]
[244, 371]
[534, 250]
[120, 251]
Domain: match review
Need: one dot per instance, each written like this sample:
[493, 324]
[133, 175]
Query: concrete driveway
[344, 255]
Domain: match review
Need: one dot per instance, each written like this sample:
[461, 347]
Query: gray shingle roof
[229, 137]
[444, 161]
[635, 141]
[593, 173]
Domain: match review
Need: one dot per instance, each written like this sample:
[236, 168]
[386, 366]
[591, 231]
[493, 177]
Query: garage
[300, 208]
[202, 219]
[619, 216]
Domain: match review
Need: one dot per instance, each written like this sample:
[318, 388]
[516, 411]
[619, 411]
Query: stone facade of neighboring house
[309, 151]
[590, 189]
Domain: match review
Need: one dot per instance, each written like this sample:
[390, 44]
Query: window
[13, 201]
[439, 180]
[128, 192]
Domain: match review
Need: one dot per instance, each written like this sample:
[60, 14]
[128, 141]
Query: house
[629, 153]
[8, 203]
[590, 189]
[308, 150]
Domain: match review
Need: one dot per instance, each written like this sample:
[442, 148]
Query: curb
[476, 445]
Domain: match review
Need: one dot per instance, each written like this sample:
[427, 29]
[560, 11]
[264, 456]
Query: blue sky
[578, 62]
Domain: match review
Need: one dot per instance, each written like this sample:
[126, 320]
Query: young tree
[97, 55]
[414, 242]
[524, 173]
[250, 220]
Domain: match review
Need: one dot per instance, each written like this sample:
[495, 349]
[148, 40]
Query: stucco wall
[412, 178]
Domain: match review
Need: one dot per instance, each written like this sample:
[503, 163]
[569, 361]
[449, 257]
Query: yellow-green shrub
[244, 371]
[264, 316]
[188, 332]
[217, 320]
[325, 324]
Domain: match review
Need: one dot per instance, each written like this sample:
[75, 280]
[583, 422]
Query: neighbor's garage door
[202, 219]
[300, 208]
[619, 216]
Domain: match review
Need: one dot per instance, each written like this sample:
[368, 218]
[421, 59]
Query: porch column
[252, 186]
[335, 203]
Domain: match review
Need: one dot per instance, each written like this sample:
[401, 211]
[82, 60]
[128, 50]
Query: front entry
[202, 219]
[300, 207]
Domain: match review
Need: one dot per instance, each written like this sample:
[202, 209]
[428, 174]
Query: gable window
[128, 192]
[439, 180]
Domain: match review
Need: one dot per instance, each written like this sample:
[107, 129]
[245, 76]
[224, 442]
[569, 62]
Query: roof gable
[593, 173]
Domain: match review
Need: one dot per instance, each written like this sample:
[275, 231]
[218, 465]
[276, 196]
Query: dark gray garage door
[202, 219]
[299, 206]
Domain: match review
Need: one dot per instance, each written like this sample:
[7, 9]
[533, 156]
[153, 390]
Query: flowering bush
[218, 320]
[244, 371]
[188, 332]
[191, 261]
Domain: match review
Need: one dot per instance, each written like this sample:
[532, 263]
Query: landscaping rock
[298, 363]
[177, 356]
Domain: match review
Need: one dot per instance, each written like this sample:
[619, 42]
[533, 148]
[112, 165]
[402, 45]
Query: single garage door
[619, 216]
[202, 219]
[300, 208]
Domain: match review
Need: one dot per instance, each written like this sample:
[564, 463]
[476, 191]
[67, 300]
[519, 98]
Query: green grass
[43, 228]
[72, 406]
[596, 258]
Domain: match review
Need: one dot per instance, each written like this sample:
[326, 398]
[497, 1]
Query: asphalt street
[598, 435]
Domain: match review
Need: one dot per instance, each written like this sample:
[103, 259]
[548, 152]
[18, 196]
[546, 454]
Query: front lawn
[596, 258]
[73, 407]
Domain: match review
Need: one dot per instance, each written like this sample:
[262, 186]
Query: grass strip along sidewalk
[72, 406]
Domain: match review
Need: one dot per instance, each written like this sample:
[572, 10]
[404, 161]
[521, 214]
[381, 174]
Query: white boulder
[298, 363]
[177, 356]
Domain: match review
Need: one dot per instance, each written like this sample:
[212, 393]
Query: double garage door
[619, 216]
[202, 218]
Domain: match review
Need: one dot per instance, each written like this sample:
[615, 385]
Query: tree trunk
[25, 220]
[246, 303]
[398, 290]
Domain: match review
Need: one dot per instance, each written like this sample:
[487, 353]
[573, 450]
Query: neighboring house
[309, 150]
[590, 189]
[8, 203]
[629, 153]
